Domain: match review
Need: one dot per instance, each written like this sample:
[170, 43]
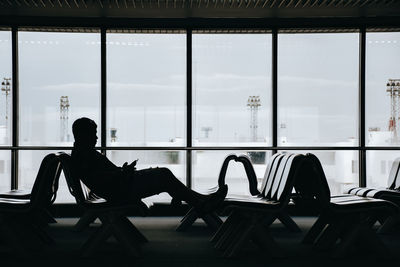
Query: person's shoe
[215, 199]
[176, 202]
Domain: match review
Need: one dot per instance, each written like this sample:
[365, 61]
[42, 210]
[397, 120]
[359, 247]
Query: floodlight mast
[393, 88]
[6, 88]
[64, 114]
[253, 102]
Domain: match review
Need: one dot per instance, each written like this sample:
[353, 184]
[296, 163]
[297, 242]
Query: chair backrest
[224, 168]
[393, 179]
[270, 173]
[396, 184]
[311, 185]
[277, 175]
[44, 190]
[283, 181]
[251, 175]
[77, 189]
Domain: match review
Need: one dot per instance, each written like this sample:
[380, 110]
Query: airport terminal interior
[293, 104]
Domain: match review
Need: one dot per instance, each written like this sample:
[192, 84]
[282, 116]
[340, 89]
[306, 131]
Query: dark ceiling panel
[201, 8]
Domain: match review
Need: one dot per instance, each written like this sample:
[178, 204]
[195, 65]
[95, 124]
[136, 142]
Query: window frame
[189, 25]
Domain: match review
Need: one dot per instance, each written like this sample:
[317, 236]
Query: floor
[192, 248]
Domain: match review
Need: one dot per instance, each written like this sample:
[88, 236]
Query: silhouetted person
[126, 184]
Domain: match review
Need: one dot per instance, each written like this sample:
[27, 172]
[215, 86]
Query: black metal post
[274, 89]
[15, 114]
[362, 151]
[103, 97]
[189, 107]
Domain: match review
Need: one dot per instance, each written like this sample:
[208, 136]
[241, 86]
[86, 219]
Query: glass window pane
[379, 164]
[146, 79]
[5, 170]
[207, 166]
[6, 87]
[318, 89]
[28, 167]
[231, 89]
[340, 168]
[175, 161]
[382, 101]
[59, 81]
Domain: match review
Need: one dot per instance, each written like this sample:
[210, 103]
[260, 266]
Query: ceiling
[200, 8]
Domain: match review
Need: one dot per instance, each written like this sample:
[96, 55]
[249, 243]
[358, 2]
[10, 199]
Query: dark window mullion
[189, 107]
[274, 89]
[362, 151]
[15, 115]
[103, 97]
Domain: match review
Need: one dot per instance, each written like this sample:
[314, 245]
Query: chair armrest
[17, 194]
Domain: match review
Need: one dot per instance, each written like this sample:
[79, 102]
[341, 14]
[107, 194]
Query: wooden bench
[344, 221]
[390, 193]
[393, 183]
[249, 217]
[212, 218]
[113, 217]
[22, 220]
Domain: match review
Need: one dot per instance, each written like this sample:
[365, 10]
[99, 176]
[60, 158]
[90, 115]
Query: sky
[146, 80]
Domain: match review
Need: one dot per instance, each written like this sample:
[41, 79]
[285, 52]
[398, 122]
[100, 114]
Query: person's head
[85, 132]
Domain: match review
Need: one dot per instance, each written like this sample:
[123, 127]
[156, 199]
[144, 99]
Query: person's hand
[134, 162]
[130, 167]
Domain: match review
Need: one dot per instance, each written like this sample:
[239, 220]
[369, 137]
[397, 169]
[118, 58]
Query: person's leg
[154, 181]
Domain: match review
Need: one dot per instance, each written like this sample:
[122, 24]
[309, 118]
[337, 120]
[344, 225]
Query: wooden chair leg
[289, 222]
[228, 222]
[47, 216]
[265, 241]
[216, 218]
[347, 241]
[269, 221]
[189, 213]
[389, 224]
[337, 228]
[84, 221]
[96, 239]
[187, 221]
[212, 220]
[132, 230]
[362, 233]
[131, 245]
[315, 230]
[44, 235]
[373, 241]
[331, 234]
[230, 233]
[238, 240]
[227, 230]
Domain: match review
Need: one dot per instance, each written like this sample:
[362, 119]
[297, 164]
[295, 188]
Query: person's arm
[108, 167]
[99, 163]
[129, 167]
[105, 178]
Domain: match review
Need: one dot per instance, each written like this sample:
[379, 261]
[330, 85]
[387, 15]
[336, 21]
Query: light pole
[6, 88]
[393, 88]
[253, 102]
[206, 130]
[64, 110]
